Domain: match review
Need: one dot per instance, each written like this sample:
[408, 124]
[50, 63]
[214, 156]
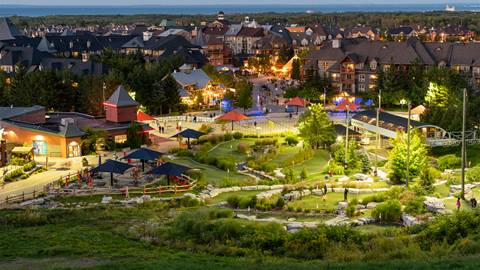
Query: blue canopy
[143, 154]
[170, 169]
[112, 166]
[189, 133]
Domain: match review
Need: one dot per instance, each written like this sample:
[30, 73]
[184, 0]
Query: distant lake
[28, 10]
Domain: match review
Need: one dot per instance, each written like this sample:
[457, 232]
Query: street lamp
[403, 102]
[408, 142]
[324, 97]
[346, 138]
[378, 128]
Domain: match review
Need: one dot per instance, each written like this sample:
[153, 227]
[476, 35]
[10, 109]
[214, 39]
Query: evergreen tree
[316, 128]
[397, 159]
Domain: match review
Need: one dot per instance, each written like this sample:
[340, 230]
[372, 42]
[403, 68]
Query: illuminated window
[120, 138]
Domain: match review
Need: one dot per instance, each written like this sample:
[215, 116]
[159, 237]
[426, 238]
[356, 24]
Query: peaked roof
[169, 168]
[112, 166]
[143, 154]
[8, 31]
[71, 130]
[10, 112]
[121, 98]
[189, 133]
[196, 77]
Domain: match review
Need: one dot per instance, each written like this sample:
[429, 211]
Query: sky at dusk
[221, 2]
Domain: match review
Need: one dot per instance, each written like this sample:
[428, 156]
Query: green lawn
[230, 149]
[285, 153]
[215, 176]
[311, 202]
[241, 194]
[473, 152]
[315, 166]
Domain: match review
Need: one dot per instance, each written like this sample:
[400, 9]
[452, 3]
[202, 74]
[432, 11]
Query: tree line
[62, 90]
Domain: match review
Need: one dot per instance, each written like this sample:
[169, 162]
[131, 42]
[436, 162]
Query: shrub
[227, 137]
[350, 210]
[280, 203]
[473, 174]
[267, 141]
[335, 168]
[233, 201]
[449, 162]
[205, 128]
[237, 135]
[378, 197]
[291, 140]
[269, 167]
[428, 177]
[303, 173]
[415, 206]
[84, 162]
[189, 202]
[389, 211]
[225, 164]
[184, 153]
[29, 166]
[243, 148]
[244, 203]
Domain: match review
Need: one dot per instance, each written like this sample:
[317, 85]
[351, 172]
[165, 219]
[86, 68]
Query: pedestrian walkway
[35, 182]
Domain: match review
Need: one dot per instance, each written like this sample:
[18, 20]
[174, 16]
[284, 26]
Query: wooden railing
[55, 188]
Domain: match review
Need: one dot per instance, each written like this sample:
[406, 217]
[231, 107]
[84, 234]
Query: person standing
[459, 204]
[325, 189]
[345, 194]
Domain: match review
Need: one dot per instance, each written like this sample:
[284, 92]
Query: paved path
[35, 182]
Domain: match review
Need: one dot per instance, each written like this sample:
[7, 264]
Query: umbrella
[233, 116]
[169, 169]
[347, 105]
[297, 102]
[141, 116]
[189, 134]
[112, 166]
[143, 154]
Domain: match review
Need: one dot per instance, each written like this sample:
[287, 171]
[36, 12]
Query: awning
[23, 150]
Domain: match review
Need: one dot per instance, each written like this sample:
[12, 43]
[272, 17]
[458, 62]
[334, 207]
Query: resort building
[59, 134]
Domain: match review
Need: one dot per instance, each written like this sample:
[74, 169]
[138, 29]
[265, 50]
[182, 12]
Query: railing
[22, 197]
[184, 118]
[55, 188]
[123, 191]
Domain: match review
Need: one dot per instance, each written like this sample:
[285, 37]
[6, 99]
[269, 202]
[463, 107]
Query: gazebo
[112, 166]
[297, 102]
[233, 116]
[189, 134]
[143, 154]
[169, 169]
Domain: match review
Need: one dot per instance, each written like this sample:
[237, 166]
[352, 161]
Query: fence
[184, 118]
[55, 188]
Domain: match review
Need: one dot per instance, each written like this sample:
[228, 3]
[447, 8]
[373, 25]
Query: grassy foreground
[100, 239]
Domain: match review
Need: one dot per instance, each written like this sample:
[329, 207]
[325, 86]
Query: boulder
[33, 202]
[434, 204]
[360, 176]
[342, 205]
[371, 205]
[343, 179]
[106, 199]
[146, 198]
[190, 195]
[409, 220]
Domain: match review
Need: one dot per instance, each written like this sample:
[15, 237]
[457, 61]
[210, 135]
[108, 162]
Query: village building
[59, 134]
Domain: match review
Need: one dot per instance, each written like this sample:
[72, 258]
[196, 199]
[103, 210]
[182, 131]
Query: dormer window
[373, 65]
